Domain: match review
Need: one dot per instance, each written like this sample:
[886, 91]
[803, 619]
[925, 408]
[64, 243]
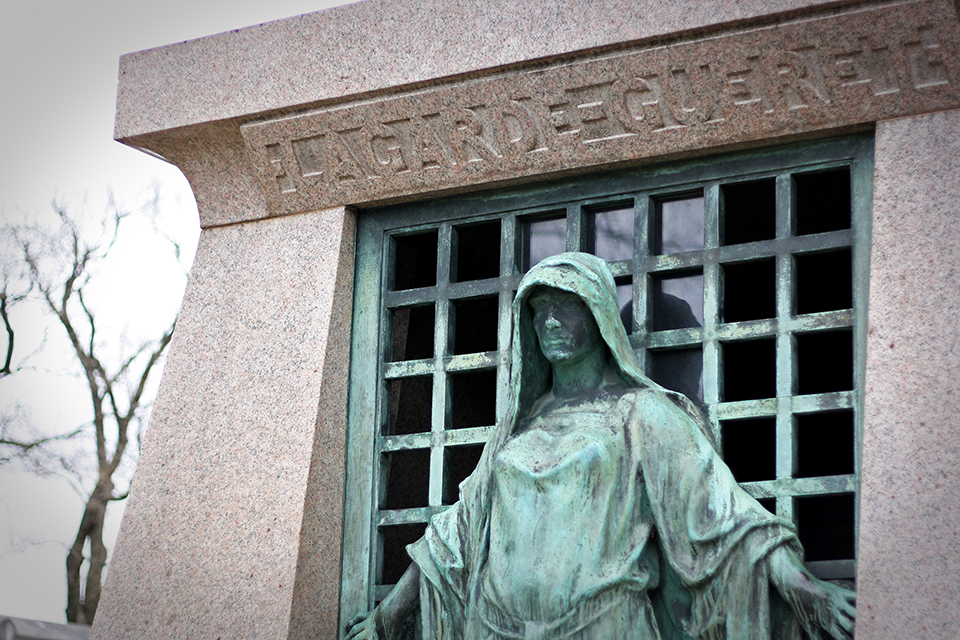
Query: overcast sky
[58, 78]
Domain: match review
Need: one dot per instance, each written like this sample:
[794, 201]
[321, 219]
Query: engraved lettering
[595, 118]
[520, 132]
[748, 86]
[925, 59]
[471, 143]
[868, 65]
[816, 73]
[279, 169]
[429, 147]
[801, 77]
[562, 118]
[390, 145]
[627, 102]
[657, 97]
[311, 155]
[697, 102]
[345, 165]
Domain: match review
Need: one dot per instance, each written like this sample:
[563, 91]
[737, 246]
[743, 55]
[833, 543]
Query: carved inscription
[756, 84]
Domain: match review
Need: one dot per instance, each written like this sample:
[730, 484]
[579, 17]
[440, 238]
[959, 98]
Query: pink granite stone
[233, 525]
[909, 549]
[378, 44]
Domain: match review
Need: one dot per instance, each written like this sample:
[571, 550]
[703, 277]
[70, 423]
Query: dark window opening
[416, 261]
[749, 369]
[824, 281]
[750, 448]
[609, 234]
[478, 251]
[749, 290]
[408, 479]
[824, 444]
[625, 301]
[749, 211]
[679, 225]
[395, 557]
[677, 302]
[823, 201]
[679, 370]
[770, 504]
[412, 333]
[542, 237]
[473, 397]
[458, 463]
[475, 328]
[824, 361]
[410, 405]
[825, 526]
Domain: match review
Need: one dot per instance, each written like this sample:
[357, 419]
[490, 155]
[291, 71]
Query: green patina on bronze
[600, 508]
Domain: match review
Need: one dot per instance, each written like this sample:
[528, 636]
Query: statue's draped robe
[613, 518]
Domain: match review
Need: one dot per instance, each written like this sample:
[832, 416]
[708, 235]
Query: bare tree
[60, 264]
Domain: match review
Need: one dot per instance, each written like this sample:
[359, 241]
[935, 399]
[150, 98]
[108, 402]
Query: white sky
[58, 71]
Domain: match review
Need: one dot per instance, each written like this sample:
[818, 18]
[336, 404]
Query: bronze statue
[600, 508]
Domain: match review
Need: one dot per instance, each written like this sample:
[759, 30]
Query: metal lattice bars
[780, 333]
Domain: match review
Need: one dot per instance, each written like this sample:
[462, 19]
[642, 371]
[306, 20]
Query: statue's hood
[588, 277]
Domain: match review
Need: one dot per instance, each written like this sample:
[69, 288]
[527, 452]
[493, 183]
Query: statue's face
[565, 327]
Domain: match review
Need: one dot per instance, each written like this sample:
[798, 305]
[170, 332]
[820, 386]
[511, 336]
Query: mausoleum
[773, 183]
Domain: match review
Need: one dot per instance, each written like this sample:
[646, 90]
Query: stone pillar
[909, 555]
[234, 522]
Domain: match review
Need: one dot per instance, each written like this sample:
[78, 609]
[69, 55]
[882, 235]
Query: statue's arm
[818, 604]
[382, 622]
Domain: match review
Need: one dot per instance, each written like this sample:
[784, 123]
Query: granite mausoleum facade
[291, 132]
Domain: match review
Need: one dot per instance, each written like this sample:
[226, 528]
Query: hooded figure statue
[606, 513]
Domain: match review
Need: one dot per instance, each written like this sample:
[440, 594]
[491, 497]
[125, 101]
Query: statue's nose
[552, 322]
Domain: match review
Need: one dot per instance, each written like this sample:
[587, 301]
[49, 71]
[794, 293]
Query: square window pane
[408, 479]
[824, 361]
[825, 526]
[750, 448]
[412, 333]
[823, 201]
[395, 559]
[473, 399]
[610, 234]
[415, 260]
[625, 302]
[770, 504]
[824, 281]
[458, 463]
[411, 401]
[749, 370]
[543, 237]
[824, 444]
[680, 225]
[677, 302]
[475, 328]
[749, 290]
[478, 251]
[679, 370]
[749, 211]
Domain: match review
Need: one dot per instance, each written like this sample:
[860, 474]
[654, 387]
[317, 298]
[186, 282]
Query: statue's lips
[556, 341]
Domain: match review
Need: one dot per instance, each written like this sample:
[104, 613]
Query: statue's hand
[818, 604]
[829, 607]
[363, 627]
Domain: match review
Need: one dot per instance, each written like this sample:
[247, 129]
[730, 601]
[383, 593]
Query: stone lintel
[377, 45]
[804, 74]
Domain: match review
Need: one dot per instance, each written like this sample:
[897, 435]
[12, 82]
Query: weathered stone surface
[762, 82]
[233, 525]
[909, 551]
[378, 44]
